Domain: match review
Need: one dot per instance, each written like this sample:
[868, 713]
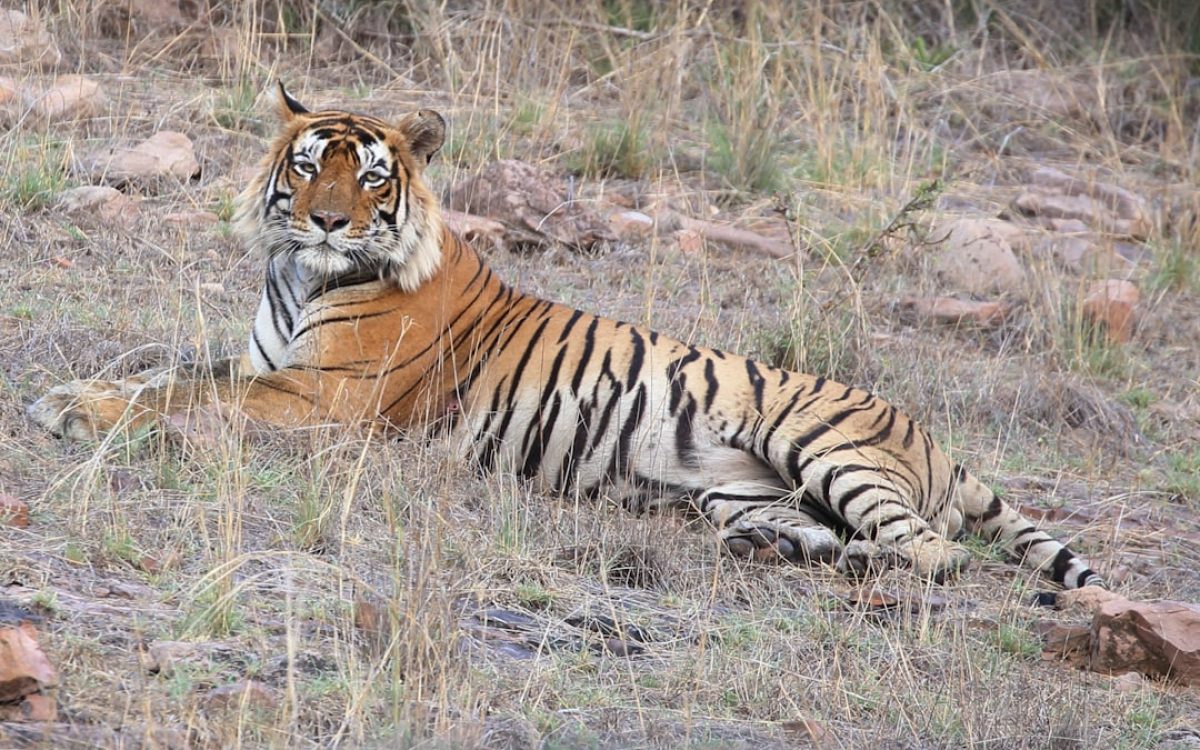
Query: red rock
[70, 98]
[13, 512]
[10, 92]
[872, 599]
[1111, 304]
[24, 669]
[243, 693]
[1159, 639]
[812, 732]
[39, 707]
[955, 311]
[1063, 641]
[688, 240]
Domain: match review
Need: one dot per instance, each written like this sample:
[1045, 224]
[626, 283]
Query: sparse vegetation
[394, 598]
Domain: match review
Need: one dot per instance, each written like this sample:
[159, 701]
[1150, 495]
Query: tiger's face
[342, 194]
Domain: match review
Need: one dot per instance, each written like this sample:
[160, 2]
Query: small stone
[1084, 601]
[1111, 305]
[211, 287]
[39, 707]
[872, 599]
[811, 731]
[70, 98]
[107, 203]
[24, 669]
[631, 225]
[13, 512]
[954, 311]
[25, 41]
[243, 693]
[688, 241]
[192, 218]
[620, 647]
[10, 92]
[1128, 683]
[60, 262]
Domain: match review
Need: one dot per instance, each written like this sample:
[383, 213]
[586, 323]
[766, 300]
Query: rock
[24, 41]
[33, 707]
[1042, 93]
[688, 241]
[954, 311]
[1129, 682]
[107, 203]
[1062, 641]
[70, 98]
[812, 732]
[872, 599]
[151, 15]
[162, 657]
[535, 207]
[485, 234]
[1111, 305]
[24, 669]
[1064, 203]
[192, 218]
[165, 155]
[977, 256]
[1084, 601]
[620, 647]
[243, 694]
[1086, 253]
[10, 92]
[212, 287]
[13, 512]
[631, 225]
[1160, 639]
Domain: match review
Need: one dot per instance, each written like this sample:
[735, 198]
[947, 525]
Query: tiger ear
[288, 106]
[425, 131]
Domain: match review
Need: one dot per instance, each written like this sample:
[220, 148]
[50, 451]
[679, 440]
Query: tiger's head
[342, 194]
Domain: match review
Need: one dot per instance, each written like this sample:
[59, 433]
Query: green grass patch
[613, 149]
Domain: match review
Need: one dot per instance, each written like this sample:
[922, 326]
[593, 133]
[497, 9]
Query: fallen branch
[743, 239]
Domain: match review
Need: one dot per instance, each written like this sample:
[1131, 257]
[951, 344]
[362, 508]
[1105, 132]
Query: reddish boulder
[1111, 305]
[24, 669]
[1160, 639]
[13, 512]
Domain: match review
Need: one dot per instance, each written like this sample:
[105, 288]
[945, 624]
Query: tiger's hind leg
[762, 521]
[892, 533]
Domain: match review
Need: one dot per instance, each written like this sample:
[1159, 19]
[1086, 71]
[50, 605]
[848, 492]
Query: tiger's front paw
[84, 409]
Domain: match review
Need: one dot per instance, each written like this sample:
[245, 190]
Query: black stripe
[589, 345]
[710, 379]
[254, 337]
[619, 466]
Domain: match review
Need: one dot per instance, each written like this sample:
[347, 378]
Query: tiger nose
[329, 221]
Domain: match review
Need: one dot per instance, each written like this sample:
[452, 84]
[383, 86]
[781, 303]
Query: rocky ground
[991, 220]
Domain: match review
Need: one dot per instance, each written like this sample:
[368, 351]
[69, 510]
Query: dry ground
[492, 600]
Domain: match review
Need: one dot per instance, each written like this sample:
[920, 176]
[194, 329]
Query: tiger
[373, 311]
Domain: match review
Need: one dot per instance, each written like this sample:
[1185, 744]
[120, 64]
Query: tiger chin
[371, 309]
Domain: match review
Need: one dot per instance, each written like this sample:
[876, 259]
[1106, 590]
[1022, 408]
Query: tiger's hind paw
[762, 540]
[84, 409]
[938, 560]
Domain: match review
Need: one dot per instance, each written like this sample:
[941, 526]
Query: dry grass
[834, 114]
